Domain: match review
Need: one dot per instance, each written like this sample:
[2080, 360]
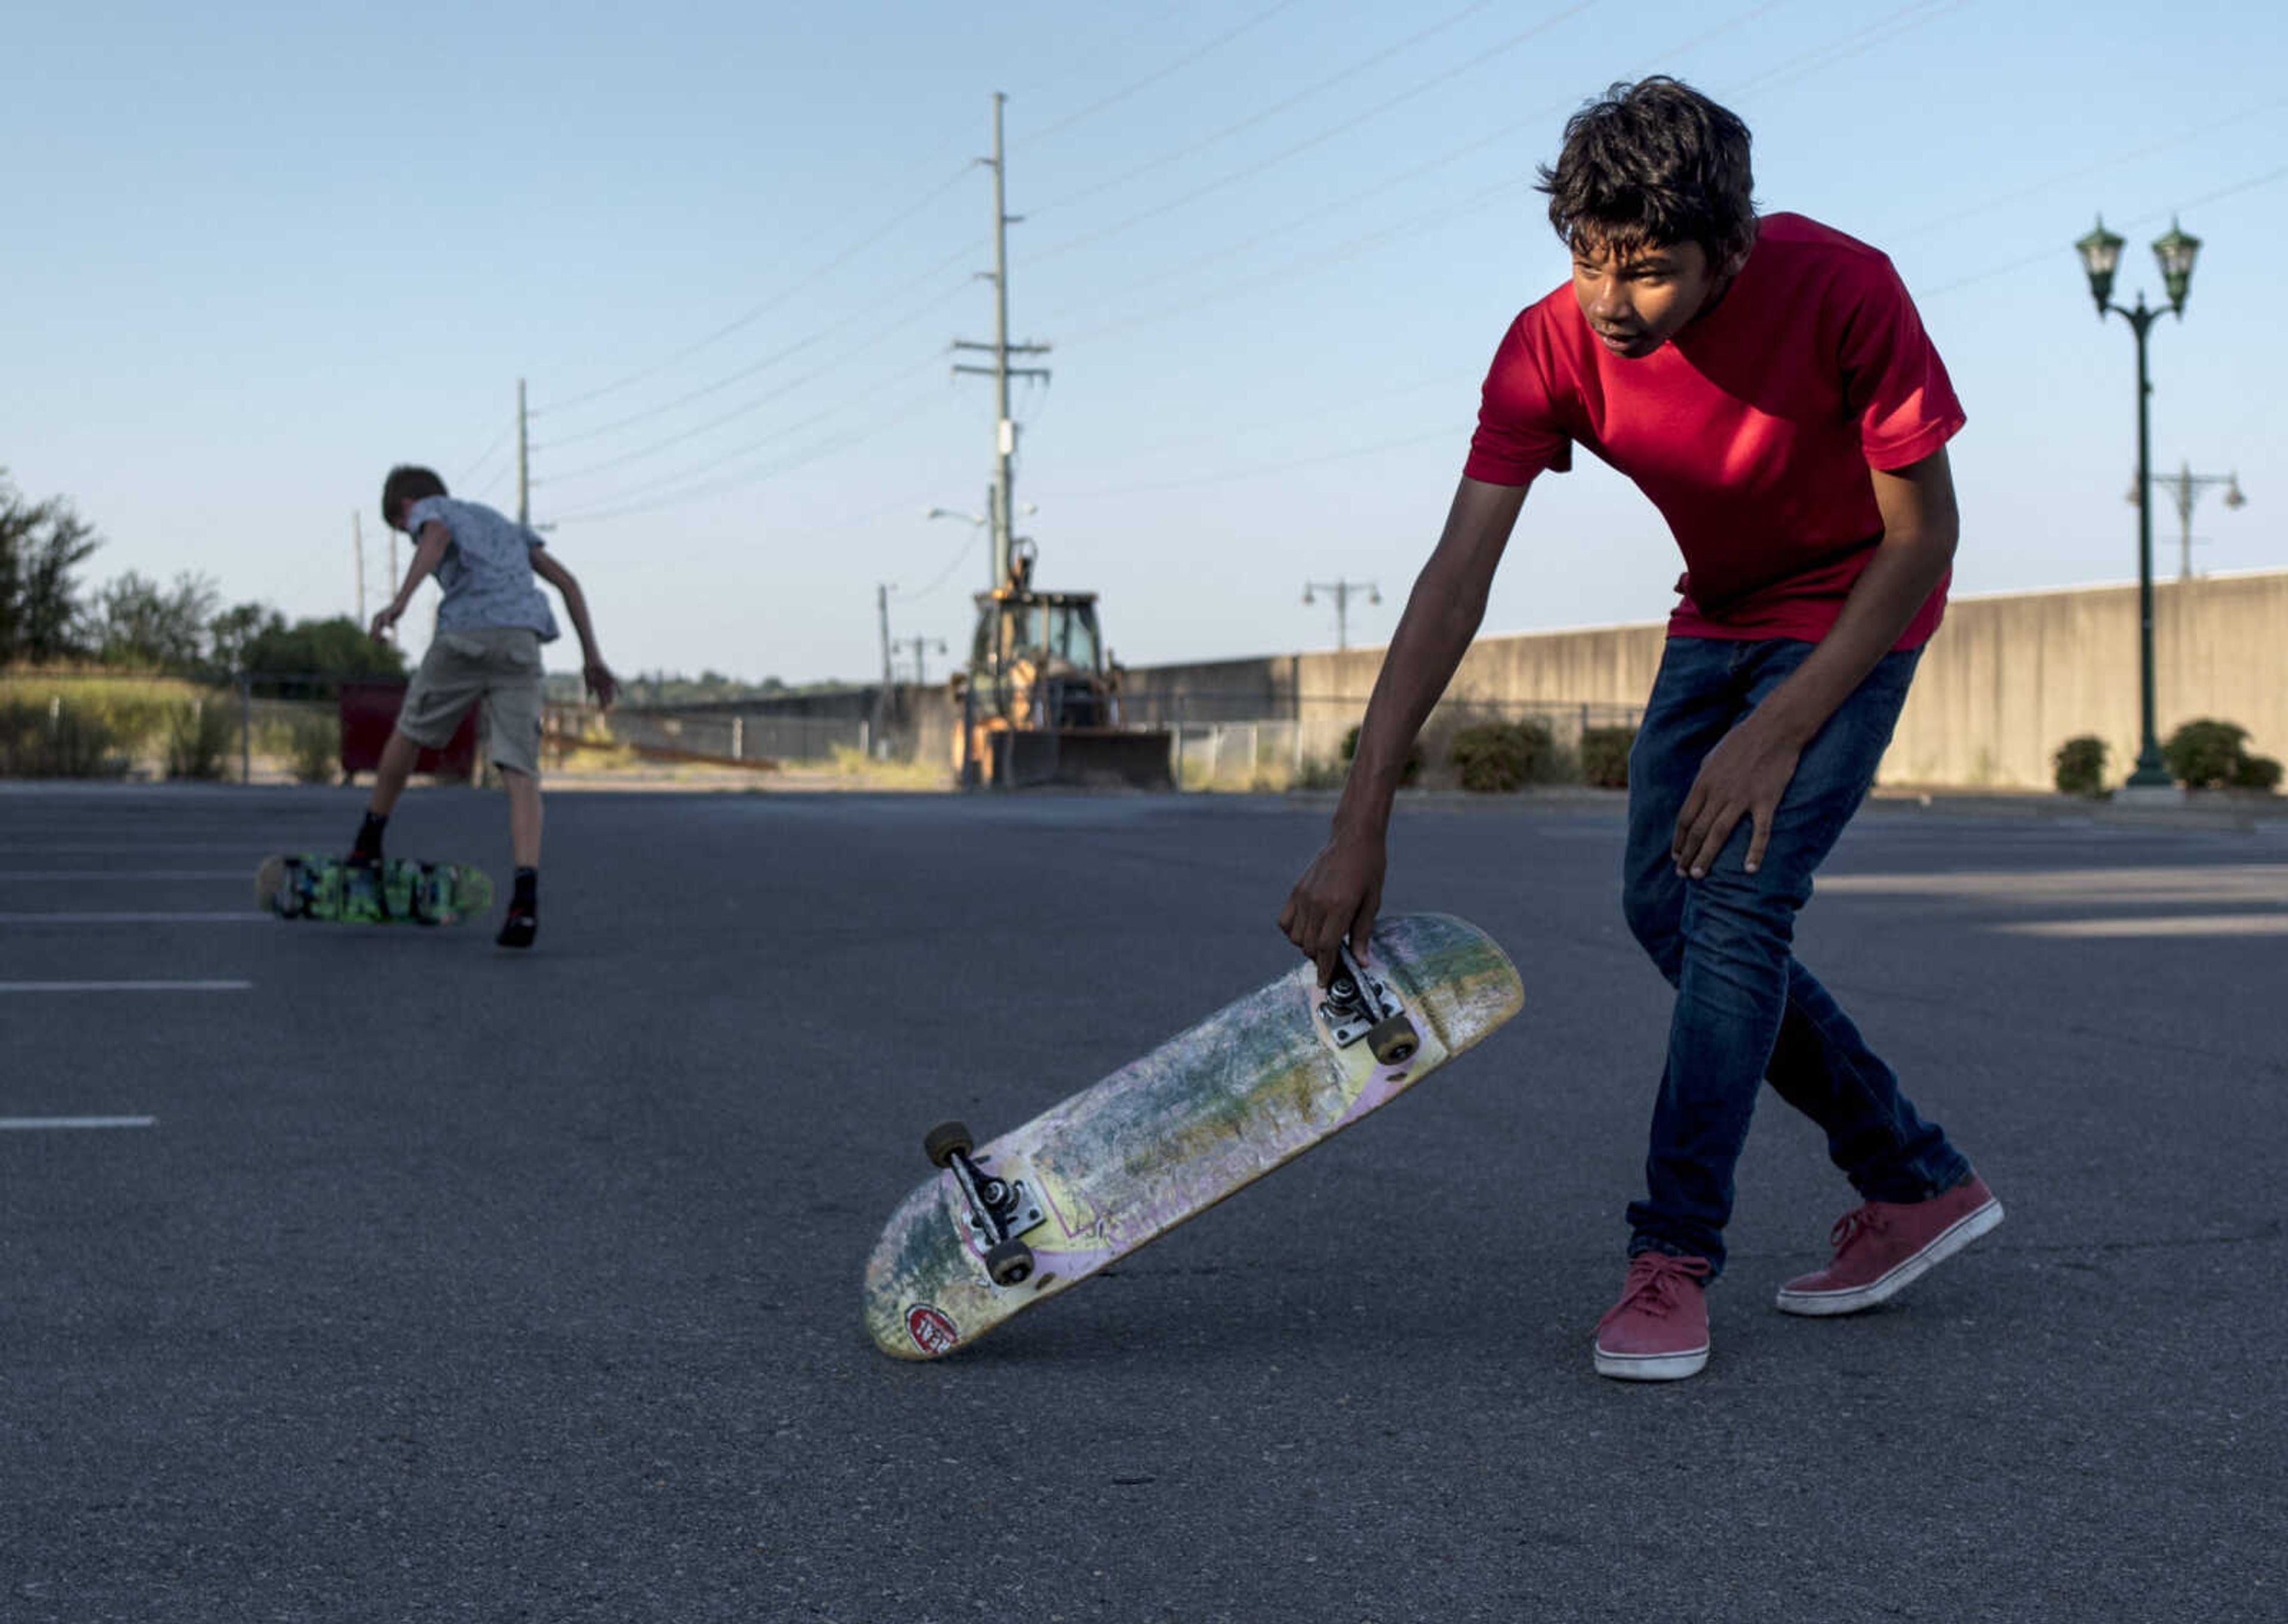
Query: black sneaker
[518, 929]
[365, 851]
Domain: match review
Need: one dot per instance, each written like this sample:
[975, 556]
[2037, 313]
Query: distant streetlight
[2101, 257]
[1342, 589]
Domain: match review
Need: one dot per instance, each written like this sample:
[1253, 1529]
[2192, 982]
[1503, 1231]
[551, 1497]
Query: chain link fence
[99, 723]
[740, 737]
[1215, 745]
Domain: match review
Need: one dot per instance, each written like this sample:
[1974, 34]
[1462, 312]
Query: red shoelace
[1655, 1280]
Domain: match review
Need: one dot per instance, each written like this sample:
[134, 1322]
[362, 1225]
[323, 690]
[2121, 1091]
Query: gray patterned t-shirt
[487, 572]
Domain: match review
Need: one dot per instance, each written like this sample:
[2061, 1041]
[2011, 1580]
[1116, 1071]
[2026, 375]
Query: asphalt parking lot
[353, 1273]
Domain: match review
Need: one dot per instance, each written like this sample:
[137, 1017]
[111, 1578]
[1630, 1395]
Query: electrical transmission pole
[2185, 487]
[357, 545]
[523, 462]
[1005, 428]
[921, 671]
[1342, 589]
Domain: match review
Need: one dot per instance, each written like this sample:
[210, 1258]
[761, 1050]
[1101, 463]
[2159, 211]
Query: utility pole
[882, 609]
[1342, 589]
[523, 462]
[2185, 487]
[921, 670]
[357, 546]
[1004, 427]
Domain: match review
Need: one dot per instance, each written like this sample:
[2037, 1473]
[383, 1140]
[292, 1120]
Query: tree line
[132, 622]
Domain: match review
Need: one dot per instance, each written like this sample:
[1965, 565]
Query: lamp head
[2176, 252]
[2101, 257]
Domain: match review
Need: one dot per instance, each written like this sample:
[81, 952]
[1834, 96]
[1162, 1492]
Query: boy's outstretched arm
[593, 671]
[1750, 767]
[428, 552]
[1341, 891]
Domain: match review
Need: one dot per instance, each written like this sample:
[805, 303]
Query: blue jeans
[1746, 1011]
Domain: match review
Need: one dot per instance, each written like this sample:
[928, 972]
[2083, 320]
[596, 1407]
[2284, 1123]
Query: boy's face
[1636, 299]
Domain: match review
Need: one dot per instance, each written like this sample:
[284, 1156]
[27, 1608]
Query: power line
[733, 415]
[969, 545]
[1535, 119]
[1379, 108]
[490, 451]
[1310, 264]
[893, 296]
[2051, 182]
[717, 488]
[1273, 111]
[1262, 471]
[767, 305]
[1217, 44]
[1881, 31]
[2151, 216]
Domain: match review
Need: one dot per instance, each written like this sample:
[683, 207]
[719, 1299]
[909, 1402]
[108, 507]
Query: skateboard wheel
[1394, 1041]
[1010, 1263]
[946, 1140]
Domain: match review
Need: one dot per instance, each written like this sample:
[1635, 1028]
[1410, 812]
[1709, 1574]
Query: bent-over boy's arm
[1340, 892]
[428, 552]
[1750, 769]
[593, 671]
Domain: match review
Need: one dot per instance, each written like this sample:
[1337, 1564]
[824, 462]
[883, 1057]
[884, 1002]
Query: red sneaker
[1658, 1331]
[1884, 1247]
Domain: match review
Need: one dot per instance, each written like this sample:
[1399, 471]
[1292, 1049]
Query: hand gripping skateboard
[397, 893]
[1006, 1223]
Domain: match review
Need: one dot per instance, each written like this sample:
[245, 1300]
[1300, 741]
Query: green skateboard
[311, 886]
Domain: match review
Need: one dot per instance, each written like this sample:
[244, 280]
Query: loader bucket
[1080, 757]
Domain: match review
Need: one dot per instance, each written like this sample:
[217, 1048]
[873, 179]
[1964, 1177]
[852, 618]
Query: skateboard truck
[1358, 1005]
[999, 1210]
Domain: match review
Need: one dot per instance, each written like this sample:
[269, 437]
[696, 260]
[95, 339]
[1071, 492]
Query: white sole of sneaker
[1652, 1367]
[1964, 1229]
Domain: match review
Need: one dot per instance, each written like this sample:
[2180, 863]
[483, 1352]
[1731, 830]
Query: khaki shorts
[498, 664]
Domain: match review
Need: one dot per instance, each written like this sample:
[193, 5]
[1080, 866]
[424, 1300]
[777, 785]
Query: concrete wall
[2009, 678]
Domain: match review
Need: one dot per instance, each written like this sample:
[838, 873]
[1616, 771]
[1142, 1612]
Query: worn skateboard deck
[314, 886]
[1167, 1136]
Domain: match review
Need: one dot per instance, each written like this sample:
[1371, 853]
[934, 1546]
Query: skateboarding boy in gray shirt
[490, 625]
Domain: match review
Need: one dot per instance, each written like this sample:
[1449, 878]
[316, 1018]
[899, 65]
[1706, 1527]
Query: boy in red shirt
[1768, 384]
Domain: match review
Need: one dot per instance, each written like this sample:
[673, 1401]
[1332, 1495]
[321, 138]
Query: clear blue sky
[260, 252]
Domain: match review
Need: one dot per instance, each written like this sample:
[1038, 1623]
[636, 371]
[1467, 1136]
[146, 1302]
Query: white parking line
[34, 1124]
[126, 986]
[28, 847]
[141, 876]
[2159, 925]
[122, 917]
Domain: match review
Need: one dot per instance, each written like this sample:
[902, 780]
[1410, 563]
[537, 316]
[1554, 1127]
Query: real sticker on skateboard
[397, 891]
[1008, 1222]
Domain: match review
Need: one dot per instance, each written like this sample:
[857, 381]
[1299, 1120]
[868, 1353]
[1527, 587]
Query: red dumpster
[368, 712]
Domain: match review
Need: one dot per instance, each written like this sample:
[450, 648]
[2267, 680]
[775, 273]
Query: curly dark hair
[1652, 163]
[405, 486]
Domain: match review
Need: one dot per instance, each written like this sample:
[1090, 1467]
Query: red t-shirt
[1752, 430]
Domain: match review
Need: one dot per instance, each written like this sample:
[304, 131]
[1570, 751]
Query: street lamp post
[2101, 256]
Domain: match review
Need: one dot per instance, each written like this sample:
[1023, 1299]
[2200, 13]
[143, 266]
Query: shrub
[1407, 774]
[1605, 757]
[53, 739]
[313, 745]
[198, 736]
[2080, 764]
[2208, 754]
[1496, 757]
